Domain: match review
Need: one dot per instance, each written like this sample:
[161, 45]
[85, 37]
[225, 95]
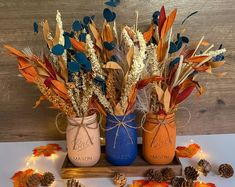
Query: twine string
[118, 124]
[83, 125]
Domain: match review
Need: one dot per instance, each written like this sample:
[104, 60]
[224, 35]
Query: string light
[202, 155]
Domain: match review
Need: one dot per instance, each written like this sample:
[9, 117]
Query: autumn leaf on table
[156, 184]
[145, 183]
[199, 184]
[187, 152]
[46, 150]
[20, 178]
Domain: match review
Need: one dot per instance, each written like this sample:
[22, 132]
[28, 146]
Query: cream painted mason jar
[83, 140]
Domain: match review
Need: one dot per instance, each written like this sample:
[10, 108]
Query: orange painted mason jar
[159, 138]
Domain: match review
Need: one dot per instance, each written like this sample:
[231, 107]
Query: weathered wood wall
[212, 113]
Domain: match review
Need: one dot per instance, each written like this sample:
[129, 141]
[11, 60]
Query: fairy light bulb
[202, 155]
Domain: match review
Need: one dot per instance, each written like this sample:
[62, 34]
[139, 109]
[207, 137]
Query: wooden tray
[104, 169]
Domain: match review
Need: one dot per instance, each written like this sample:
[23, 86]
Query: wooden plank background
[212, 113]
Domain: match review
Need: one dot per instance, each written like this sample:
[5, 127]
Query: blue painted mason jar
[121, 139]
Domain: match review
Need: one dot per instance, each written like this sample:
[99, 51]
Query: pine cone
[168, 174]
[177, 181]
[226, 170]
[188, 183]
[191, 173]
[150, 175]
[158, 176]
[204, 167]
[34, 180]
[47, 179]
[119, 179]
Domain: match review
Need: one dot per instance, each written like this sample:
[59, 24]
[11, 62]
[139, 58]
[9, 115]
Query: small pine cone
[226, 170]
[34, 180]
[47, 179]
[119, 179]
[168, 174]
[204, 167]
[158, 176]
[188, 183]
[177, 181]
[150, 175]
[191, 173]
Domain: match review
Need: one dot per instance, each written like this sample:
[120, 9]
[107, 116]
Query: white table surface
[217, 149]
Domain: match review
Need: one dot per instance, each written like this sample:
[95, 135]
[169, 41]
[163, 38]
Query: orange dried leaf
[144, 82]
[59, 86]
[46, 150]
[197, 59]
[168, 23]
[27, 70]
[161, 50]
[216, 64]
[148, 34]
[201, 184]
[96, 35]
[20, 178]
[187, 152]
[99, 107]
[13, 51]
[131, 99]
[79, 46]
[200, 91]
[187, 83]
[201, 68]
[107, 32]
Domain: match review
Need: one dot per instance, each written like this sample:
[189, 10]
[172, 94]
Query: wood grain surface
[212, 113]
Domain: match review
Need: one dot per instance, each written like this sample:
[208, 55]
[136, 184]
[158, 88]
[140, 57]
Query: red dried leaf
[161, 20]
[20, 178]
[184, 94]
[49, 67]
[201, 184]
[46, 150]
[187, 152]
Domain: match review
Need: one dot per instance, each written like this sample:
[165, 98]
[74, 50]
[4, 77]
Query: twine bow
[82, 124]
[163, 122]
[160, 123]
[120, 123]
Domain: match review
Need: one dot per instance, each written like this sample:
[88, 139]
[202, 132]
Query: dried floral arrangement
[175, 60]
[86, 68]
